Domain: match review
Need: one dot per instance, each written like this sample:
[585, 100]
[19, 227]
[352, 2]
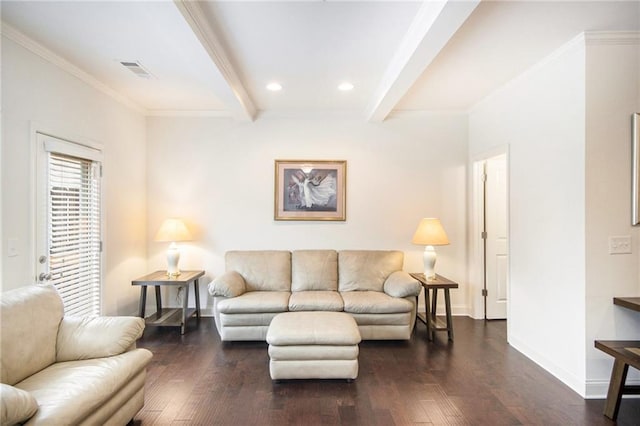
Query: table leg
[197, 295]
[158, 301]
[616, 385]
[185, 304]
[143, 300]
[427, 315]
[447, 305]
[434, 304]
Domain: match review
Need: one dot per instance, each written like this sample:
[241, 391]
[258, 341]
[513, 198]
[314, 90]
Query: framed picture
[310, 190]
[635, 183]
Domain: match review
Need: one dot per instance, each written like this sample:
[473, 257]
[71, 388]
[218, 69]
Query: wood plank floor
[479, 379]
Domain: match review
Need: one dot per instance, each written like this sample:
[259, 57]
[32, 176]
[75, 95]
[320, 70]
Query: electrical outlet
[620, 245]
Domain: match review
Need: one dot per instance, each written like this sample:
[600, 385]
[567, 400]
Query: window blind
[74, 232]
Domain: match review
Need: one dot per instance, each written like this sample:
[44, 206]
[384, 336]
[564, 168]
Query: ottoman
[313, 345]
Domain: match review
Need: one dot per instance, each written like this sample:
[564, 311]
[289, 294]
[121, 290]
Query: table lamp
[173, 230]
[430, 233]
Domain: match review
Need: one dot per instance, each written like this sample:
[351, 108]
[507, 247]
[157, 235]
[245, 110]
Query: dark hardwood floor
[479, 379]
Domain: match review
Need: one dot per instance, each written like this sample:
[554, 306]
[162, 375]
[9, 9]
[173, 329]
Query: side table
[169, 316]
[433, 323]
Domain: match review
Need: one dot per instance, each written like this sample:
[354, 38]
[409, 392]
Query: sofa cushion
[29, 319]
[97, 337]
[361, 270]
[17, 405]
[401, 284]
[315, 301]
[374, 302]
[68, 392]
[255, 301]
[229, 284]
[313, 328]
[314, 270]
[266, 270]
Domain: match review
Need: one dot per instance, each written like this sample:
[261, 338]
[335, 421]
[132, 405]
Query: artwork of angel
[314, 190]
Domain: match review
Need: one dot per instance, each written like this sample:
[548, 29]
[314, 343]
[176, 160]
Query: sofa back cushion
[366, 270]
[264, 270]
[314, 270]
[29, 320]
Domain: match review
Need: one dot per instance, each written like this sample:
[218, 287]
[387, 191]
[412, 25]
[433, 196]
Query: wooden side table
[173, 317]
[433, 323]
[625, 353]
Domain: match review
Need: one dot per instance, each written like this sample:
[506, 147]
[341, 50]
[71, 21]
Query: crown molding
[31, 45]
[189, 113]
[612, 37]
[236, 97]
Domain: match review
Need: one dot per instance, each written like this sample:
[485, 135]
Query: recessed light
[274, 87]
[345, 86]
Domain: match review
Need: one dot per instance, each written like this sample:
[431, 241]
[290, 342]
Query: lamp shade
[430, 233]
[173, 230]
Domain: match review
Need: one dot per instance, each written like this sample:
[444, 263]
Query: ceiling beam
[433, 26]
[233, 94]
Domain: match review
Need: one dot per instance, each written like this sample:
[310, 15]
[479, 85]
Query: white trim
[237, 98]
[410, 113]
[475, 253]
[189, 113]
[71, 148]
[612, 37]
[597, 389]
[37, 129]
[575, 383]
[16, 36]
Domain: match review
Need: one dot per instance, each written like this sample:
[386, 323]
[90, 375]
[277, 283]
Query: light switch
[620, 245]
[12, 247]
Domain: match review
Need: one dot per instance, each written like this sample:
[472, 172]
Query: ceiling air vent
[137, 69]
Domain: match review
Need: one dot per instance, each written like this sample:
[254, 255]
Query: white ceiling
[217, 57]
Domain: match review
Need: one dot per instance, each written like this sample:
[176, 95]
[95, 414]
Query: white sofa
[368, 284]
[60, 370]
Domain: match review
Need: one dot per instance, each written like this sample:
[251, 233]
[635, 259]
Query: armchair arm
[97, 337]
[229, 284]
[17, 405]
[401, 284]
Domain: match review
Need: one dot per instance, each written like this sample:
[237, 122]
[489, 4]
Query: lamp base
[429, 258]
[173, 257]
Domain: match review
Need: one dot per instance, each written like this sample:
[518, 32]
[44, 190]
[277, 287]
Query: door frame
[37, 159]
[476, 272]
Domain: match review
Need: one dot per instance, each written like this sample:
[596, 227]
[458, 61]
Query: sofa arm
[229, 284]
[401, 284]
[97, 337]
[17, 405]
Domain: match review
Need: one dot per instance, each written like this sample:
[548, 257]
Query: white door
[69, 222]
[497, 244]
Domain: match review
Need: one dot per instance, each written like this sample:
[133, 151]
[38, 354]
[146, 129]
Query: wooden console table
[175, 317]
[429, 317]
[626, 353]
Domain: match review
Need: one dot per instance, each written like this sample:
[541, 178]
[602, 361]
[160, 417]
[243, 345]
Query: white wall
[613, 94]
[219, 175]
[540, 116]
[36, 93]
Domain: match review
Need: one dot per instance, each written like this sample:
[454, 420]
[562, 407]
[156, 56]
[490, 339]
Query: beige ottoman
[313, 345]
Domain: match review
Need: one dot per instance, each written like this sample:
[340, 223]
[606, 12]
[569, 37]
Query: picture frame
[313, 190]
[635, 183]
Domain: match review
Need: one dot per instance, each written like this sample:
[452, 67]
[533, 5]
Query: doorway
[69, 222]
[492, 235]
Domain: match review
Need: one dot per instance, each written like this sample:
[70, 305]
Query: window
[73, 225]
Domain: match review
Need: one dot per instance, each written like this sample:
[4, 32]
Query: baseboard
[206, 312]
[554, 369]
[597, 389]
